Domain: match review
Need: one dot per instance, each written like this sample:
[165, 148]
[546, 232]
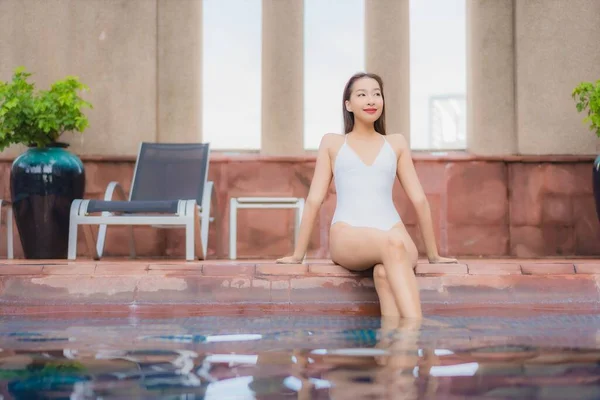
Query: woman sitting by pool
[366, 230]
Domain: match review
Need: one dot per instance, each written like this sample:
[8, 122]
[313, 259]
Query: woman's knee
[379, 272]
[397, 244]
[395, 241]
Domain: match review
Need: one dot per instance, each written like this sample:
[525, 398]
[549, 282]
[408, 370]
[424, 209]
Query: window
[333, 51]
[231, 74]
[438, 74]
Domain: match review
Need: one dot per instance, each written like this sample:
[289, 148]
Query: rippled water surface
[538, 357]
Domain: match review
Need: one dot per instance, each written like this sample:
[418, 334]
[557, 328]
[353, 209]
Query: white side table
[261, 202]
[9, 227]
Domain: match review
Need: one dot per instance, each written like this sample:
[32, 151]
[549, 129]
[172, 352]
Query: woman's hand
[289, 260]
[442, 260]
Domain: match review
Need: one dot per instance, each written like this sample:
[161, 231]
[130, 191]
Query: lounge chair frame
[188, 214]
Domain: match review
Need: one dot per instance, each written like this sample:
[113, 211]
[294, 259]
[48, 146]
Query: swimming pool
[321, 357]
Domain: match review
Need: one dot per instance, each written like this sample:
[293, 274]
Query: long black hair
[349, 116]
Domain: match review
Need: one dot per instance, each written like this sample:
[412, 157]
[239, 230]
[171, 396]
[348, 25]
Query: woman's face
[366, 101]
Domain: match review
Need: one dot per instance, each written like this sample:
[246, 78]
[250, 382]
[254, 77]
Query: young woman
[366, 230]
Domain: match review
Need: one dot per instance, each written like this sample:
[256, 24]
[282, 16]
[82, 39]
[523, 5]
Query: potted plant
[587, 98]
[46, 178]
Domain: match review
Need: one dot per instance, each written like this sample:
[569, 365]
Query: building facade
[521, 188]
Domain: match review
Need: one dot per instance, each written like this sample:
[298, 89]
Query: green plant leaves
[40, 118]
[587, 98]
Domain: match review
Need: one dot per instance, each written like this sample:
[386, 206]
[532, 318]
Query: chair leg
[9, 234]
[205, 217]
[72, 249]
[217, 220]
[90, 241]
[200, 237]
[102, 229]
[191, 226]
[204, 229]
[233, 229]
[101, 239]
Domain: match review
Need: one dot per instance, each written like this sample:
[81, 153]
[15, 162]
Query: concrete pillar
[491, 110]
[282, 77]
[179, 71]
[110, 45]
[387, 53]
[556, 48]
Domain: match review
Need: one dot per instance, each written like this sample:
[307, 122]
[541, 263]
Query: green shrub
[587, 98]
[38, 119]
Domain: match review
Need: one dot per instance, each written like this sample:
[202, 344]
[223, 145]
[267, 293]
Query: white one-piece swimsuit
[364, 192]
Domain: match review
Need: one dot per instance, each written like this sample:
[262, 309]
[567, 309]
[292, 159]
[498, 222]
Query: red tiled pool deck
[161, 287]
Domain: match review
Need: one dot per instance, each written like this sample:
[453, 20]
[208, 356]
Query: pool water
[299, 357]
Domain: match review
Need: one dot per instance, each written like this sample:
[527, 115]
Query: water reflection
[301, 358]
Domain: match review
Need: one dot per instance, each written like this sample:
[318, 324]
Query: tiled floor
[215, 287]
[123, 266]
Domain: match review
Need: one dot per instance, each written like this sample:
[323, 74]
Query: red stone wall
[492, 207]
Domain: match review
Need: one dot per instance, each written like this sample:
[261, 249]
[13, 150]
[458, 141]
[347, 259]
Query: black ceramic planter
[44, 182]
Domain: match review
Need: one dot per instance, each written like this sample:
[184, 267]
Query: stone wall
[142, 60]
[524, 58]
[481, 206]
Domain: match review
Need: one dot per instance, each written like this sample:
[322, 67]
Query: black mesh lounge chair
[169, 189]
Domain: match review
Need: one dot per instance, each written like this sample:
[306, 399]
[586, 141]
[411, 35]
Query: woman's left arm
[410, 182]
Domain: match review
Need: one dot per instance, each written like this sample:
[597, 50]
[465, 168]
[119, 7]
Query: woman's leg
[357, 248]
[387, 301]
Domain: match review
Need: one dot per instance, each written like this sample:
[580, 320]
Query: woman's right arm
[316, 194]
